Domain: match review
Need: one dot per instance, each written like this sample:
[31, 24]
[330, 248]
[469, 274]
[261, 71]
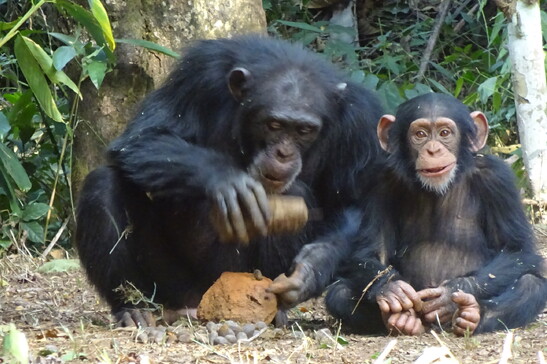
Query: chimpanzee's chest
[439, 238]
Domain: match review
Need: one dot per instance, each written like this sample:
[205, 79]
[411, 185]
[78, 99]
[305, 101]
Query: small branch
[54, 240]
[506, 352]
[378, 276]
[382, 357]
[443, 10]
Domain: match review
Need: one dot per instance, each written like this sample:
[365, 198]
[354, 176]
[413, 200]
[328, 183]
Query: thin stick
[541, 358]
[382, 357]
[506, 352]
[443, 10]
[444, 345]
[54, 240]
[378, 276]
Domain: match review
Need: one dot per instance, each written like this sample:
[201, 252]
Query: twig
[506, 352]
[378, 276]
[54, 240]
[541, 358]
[382, 357]
[444, 345]
[443, 10]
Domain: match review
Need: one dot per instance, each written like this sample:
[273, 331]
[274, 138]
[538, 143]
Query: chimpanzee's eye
[421, 134]
[445, 132]
[274, 125]
[305, 130]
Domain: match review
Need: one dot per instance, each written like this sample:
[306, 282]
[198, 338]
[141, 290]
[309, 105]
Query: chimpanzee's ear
[238, 79]
[482, 131]
[385, 123]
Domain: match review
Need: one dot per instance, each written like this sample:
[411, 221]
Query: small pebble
[219, 340]
[211, 326]
[261, 325]
[212, 336]
[231, 338]
[225, 330]
[185, 338]
[249, 329]
[242, 336]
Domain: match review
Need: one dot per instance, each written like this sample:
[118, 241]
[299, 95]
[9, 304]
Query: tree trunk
[529, 86]
[103, 114]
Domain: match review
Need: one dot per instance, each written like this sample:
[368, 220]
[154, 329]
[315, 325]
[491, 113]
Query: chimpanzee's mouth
[437, 171]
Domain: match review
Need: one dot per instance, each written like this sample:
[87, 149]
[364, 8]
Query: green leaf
[15, 344]
[100, 14]
[35, 78]
[341, 340]
[62, 56]
[5, 26]
[299, 25]
[34, 211]
[5, 127]
[6, 186]
[67, 39]
[85, 18]
[96, 71]
[34, 230]
[46, 63]
[487, 88]
[14, 168]
[59, 265]
[439, 86]
[149, 45]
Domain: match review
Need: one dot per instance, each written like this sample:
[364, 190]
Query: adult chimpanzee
[235, 121]
[444, 238]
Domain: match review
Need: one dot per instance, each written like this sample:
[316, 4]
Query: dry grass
[60, 313]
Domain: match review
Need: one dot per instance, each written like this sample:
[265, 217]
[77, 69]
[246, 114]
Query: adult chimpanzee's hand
[292, 290]
[398, 296]
[239, 200]
[438, 304]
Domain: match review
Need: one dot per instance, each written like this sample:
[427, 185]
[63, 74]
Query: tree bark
[103, 114]
[529, 86]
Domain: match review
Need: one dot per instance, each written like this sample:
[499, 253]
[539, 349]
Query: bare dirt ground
[64, 320]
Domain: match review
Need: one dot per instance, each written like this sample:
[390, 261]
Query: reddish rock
[239, 297]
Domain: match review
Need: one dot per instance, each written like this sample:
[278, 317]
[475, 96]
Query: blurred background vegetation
[42, 65]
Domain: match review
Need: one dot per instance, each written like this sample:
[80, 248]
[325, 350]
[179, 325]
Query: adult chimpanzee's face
[282, 120]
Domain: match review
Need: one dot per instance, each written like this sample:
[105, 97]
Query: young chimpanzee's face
[434, 135]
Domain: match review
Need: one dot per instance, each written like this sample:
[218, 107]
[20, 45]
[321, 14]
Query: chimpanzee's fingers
[394, 303]
[384, 306]
[412, 326]
[236, 217]
[251, 204]
[429, 293]
[463, 326]
[413, 300]
[282, 284]
[262, 200]
[224, 227]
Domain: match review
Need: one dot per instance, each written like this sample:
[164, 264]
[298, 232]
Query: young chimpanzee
[444, 239]
[235, 121]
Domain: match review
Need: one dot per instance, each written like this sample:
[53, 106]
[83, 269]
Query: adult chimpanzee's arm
[315, 265]
[506, 229]
[163, 164]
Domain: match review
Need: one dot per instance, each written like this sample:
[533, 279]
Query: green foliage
[469, 60]
[38, 106]
[37, 113]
